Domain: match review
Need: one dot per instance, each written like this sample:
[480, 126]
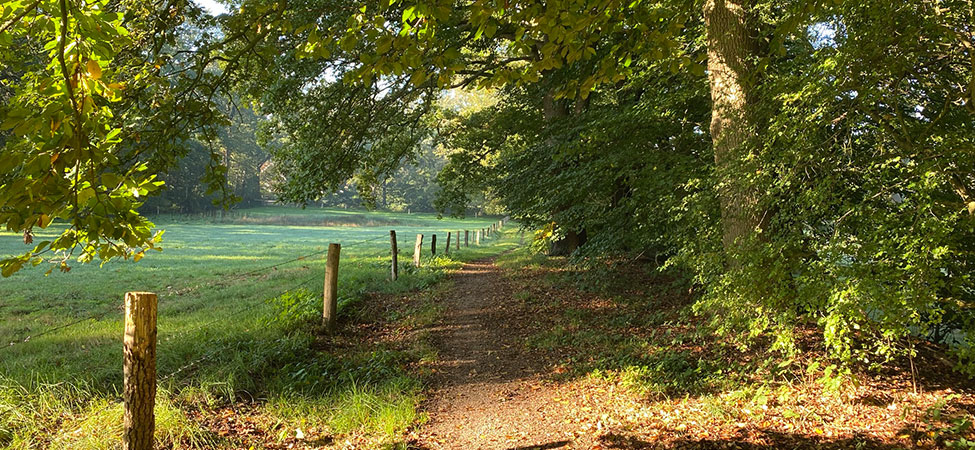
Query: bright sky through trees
[212, 6]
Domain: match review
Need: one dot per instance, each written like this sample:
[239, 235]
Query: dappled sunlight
[664, 381]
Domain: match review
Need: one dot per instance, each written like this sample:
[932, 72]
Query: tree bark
[732, 46]
[552, 111]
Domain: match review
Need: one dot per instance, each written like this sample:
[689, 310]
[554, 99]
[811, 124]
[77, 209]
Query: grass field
[238, 314]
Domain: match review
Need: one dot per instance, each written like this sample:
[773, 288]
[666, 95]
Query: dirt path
[492, 392]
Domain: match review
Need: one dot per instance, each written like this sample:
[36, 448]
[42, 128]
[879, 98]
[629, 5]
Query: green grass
[314, 216]
[223, 336]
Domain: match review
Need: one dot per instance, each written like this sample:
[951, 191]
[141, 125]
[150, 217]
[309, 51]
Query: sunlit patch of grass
[666, 373]
[386, 410]
[57, 416]
[522, 260]
[381, 411]
[99, 427]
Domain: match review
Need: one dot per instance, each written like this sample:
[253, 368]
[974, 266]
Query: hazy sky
[212, 6]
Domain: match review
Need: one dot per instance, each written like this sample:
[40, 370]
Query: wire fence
[235, 314]
[175, 374]
[220, 281]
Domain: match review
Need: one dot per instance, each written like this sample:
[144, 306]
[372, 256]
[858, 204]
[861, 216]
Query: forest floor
[527, 360]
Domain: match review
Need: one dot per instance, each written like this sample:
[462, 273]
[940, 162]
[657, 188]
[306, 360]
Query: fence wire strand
[111, 403]
[100, 315]
[213, 352]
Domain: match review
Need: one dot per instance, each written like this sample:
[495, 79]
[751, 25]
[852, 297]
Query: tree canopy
[801, 162]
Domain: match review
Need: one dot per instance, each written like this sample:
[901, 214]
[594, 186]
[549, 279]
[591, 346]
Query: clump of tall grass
[72, 415]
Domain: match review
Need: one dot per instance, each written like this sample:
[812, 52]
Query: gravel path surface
[492, 392]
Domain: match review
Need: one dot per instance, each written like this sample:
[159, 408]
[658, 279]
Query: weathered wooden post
[392, 244]
[477, 238]
[467, 238]
[446, 248]
[457, 244]
[417, 249]
[433, 245]
[331, 305]
[139, 371]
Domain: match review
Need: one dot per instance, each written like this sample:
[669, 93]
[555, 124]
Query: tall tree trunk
[552, 111]
[732, 46]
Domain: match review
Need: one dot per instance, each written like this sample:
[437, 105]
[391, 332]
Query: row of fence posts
[139, 340]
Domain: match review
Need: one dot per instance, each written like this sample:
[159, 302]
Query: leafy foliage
[863, 166]
[103, 98]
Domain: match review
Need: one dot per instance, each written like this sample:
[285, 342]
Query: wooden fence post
[417, 249]
[457, 244]
[139, 371]
[331, 306]
[433, 245]
[467, 238]
[477, 238]
[392, 244]
[446, 248]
